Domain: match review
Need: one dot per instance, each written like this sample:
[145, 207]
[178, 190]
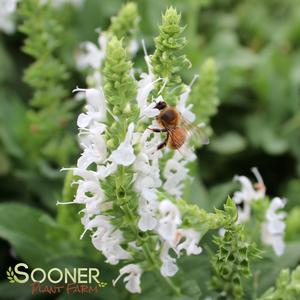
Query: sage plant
[131, 191]
[50, 111]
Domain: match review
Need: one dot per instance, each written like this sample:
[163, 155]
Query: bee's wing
[195, 133]
[176, 141]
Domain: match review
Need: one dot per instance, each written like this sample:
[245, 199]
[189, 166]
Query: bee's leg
[158, 129]
[163, 144]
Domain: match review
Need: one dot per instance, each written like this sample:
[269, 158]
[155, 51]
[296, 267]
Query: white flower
[147, 219]
[107, 239]
[124, 154]
[7, 11]
[106, 170]
[133, 279]
[249, 191]
[247, 194]
[92, 56]
[95, 108]
[147, 180]
[222, 232]
[183, 108]
[91, 130]
[169, 267]
[94, 151]
[145, 86]
[89, 55]
[149, 111]
[274, 226]
[133, 47]
[190, 241]
[169, 221]
[176, 172]
[90, 193]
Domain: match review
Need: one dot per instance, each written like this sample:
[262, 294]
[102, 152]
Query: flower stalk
[50, 113]
[131, 190]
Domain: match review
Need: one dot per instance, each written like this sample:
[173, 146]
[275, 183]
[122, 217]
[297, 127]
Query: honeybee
[176, 127]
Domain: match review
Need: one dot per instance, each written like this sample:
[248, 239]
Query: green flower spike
[167, 60]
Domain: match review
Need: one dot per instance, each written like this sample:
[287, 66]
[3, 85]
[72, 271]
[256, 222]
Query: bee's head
[160, 105]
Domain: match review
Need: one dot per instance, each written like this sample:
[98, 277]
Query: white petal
[129, 134]
[124, 155]
[168, 268]
[95, 97]
[84, 161]
[107, 170]
[83, 120]
[133, 279]
[147, 222]
[279, 246]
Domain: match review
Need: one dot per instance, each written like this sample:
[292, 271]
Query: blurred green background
[256, 46]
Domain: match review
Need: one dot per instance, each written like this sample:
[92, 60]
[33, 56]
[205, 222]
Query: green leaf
[32, 238]
[293, 225]
[228, 144]
[16, 291]
[196, 193]
[270, 266]
[13, 124]
[219, 193]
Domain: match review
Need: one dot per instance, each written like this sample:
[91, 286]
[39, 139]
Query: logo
[11, 275]
[57, 280]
